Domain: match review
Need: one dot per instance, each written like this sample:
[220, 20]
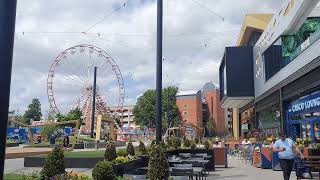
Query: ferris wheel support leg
[7, 26]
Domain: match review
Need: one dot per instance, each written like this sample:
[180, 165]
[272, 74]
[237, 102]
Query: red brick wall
[215, 110]
[193, 108]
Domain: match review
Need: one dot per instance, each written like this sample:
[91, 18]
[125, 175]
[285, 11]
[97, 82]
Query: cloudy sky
[193, 43]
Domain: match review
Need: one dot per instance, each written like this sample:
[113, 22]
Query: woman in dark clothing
[65, 142]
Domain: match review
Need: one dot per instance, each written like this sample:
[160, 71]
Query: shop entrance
[307, 130]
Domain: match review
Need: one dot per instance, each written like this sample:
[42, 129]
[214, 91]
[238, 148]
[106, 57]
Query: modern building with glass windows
[286, 72]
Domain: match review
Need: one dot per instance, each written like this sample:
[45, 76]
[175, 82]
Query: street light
[159, 73]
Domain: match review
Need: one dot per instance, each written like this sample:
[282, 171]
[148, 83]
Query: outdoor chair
[183, 165]
[185, 154]
[179, 178]
[137, 177]
[182, 172]
[248, 155]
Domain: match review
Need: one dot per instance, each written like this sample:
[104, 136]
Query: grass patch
[81, 154]
[14, 176]
[83, 138]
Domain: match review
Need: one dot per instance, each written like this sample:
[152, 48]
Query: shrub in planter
[176, 143]
[54, 163]
[186, 142]
[206, 144]
[122, 152]
[196, 140]
[142, 148]
[103, 170]
[121, 159]
[158, 164]
[169, 142]
[110, 153]
[193, 147]
[163, 146]
[130, 149]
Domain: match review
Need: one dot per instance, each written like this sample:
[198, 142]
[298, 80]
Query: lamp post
[159, 73]
[93, 106]
[7, 26]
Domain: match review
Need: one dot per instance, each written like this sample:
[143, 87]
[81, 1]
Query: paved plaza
[237, 170]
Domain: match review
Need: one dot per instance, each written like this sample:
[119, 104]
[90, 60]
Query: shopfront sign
[307, 104]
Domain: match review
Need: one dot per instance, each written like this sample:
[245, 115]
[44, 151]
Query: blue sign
[307, 104]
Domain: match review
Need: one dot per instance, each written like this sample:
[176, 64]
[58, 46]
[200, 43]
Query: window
[185, 113]
[185, 106]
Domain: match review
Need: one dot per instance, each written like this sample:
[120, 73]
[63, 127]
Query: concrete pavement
[237, 171]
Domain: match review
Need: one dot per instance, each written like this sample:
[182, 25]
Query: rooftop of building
[253, 23]
[186, 93]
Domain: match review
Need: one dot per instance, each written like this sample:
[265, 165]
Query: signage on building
[306, 104]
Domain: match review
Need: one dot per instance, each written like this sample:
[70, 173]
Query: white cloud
[190, 61]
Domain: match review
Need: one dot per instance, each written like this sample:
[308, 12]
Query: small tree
[158, 164]
[210, 126]
[54, 163]
[186, 142]
[33, 111]
[130, 149]
[103, 170]
[193, 147]
[206, 144]
[110, 153]
[176, 143]
[142, 148]
[48, 130]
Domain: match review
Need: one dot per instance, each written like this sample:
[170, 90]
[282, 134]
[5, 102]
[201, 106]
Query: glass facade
[269, 118]
[303, 118]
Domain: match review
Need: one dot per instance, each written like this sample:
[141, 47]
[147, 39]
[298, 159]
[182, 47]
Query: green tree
[74, 114]
[145, 109]
[210, 126]
[34, 111]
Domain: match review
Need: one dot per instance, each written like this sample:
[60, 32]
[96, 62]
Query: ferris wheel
[70, 81]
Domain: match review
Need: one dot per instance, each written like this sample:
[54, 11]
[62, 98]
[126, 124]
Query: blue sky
[189, 60]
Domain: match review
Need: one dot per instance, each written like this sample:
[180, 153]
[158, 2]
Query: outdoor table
[196, 170]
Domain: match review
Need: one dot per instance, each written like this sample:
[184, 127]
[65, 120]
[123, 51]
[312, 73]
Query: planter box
[314, 152]
[38, 161]
[220, 157]
[120, 169]
[211, 164]
[12, 144]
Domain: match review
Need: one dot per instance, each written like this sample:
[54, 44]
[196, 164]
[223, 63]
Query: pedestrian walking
[65, 143]
[287, 150]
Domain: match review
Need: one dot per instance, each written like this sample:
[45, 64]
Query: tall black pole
[168, 109]
[159, 73]
[93, 106]
[7, 25]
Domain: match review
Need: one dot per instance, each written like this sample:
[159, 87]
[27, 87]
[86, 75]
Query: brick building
[196, 108]
[190, 108]
[211, 96]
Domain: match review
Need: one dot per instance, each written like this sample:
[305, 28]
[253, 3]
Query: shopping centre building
[272, 78]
